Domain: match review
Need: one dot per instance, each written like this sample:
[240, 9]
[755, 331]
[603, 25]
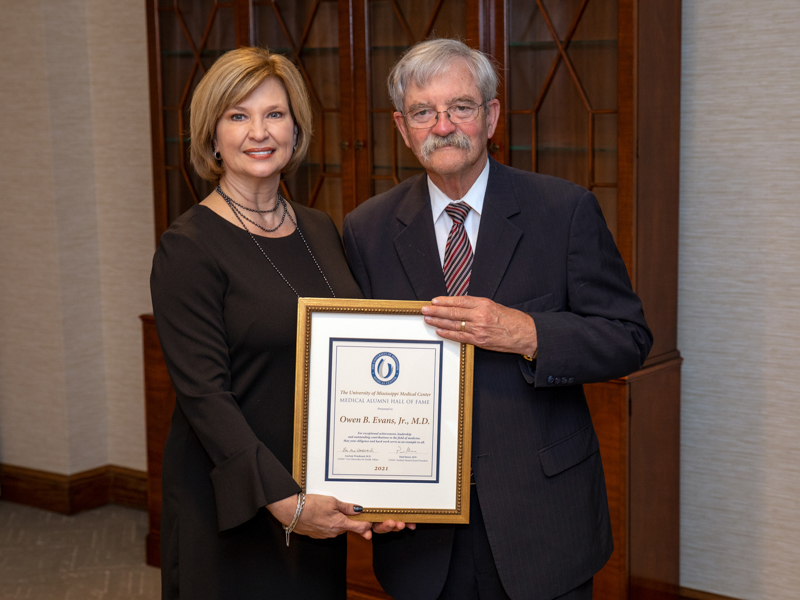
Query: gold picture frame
[423, 434]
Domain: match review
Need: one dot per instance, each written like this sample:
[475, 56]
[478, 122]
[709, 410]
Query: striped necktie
[458, 252]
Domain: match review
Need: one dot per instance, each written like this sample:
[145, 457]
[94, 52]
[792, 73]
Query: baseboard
[69, 494]
[691, 594]
[357, 594]
[128, 487]
[640, 588]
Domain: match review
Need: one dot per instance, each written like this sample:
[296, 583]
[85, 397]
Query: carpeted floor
[97, 554]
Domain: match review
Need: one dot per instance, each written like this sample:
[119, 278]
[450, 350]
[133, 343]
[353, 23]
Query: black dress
[227, 324]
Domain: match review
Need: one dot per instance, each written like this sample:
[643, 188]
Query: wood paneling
[156, 123]
[658, 83]
[637, 420]
[609, 404]
[128, 486]
[159, 404]
[627, 42]
[655, 480]
[690, 594]
[70, 494]
[494, 42]
[361, 581]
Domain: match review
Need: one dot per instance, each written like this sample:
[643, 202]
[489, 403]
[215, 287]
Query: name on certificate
[384, 410]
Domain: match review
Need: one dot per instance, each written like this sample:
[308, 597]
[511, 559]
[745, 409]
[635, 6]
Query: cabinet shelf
[391, 48]
[216, 52]
[209, 52]
[584, 149]
[551, 45]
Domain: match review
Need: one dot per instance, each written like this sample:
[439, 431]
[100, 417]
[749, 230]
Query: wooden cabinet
[344, 50]
[590, 92]
[159, 404]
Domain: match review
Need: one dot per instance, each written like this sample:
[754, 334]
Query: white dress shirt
[442, 223]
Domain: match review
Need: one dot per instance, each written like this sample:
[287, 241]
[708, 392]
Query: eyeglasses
[425, 118]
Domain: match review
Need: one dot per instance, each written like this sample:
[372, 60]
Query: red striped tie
[458, 252]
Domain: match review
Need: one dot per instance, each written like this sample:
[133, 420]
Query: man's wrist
[532, 349]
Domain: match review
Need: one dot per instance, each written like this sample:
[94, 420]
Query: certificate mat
[383, 410]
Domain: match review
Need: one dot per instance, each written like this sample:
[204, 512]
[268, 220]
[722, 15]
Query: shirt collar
[474, 197]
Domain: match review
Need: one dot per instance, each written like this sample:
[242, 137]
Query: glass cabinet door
[561, 93]
[392, 26]
[307, 33]
[192, 34]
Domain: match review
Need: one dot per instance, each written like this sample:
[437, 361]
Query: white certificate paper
[383, 410]
[384, 405]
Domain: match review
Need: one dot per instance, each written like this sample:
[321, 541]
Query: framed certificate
[383, 410]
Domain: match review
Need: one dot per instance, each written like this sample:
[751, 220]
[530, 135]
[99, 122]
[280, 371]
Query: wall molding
[70, 494]
[690, 594]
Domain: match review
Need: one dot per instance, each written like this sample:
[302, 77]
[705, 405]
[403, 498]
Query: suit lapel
[416, 243]
[498, 236]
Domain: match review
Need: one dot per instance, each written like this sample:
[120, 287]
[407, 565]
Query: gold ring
[463, 326]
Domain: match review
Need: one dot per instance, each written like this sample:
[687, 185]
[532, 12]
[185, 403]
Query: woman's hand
[322, 517]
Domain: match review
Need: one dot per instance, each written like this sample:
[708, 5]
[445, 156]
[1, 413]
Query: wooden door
[184, 39]
[559, 93]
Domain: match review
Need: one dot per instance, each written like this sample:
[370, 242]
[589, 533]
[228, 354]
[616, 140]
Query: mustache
[457, 139]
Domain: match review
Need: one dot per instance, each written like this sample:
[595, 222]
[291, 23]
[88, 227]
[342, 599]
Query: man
[550, 307]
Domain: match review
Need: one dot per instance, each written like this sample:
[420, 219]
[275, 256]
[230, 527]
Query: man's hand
[388, 526]
[484, 323]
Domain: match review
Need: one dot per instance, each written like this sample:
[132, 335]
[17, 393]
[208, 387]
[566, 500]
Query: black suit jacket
[543, 247]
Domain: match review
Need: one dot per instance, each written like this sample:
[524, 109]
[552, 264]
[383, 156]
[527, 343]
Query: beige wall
[76, 234]
[739, 307]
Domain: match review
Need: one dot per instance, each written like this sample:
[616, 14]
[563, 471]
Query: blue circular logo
[385, 368]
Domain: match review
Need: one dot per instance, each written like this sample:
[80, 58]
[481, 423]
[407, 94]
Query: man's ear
[400, 121]
[492, 116]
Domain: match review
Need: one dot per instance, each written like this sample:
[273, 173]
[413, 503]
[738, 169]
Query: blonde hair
[233, 77]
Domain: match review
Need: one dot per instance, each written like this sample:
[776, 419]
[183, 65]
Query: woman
[225, 283]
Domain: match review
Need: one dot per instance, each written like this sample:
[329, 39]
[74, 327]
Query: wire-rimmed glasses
[425, 117]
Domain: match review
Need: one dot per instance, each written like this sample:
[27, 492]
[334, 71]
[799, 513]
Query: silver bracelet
[301, 502]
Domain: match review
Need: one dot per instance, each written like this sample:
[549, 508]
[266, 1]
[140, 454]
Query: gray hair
[421, 63]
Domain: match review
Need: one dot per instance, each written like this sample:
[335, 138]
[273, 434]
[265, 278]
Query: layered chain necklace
[237, 209]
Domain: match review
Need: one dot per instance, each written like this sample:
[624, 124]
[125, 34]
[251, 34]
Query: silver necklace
[230, 202]
[255, 210]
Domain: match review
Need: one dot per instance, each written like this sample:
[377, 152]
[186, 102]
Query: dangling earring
[217, 155]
